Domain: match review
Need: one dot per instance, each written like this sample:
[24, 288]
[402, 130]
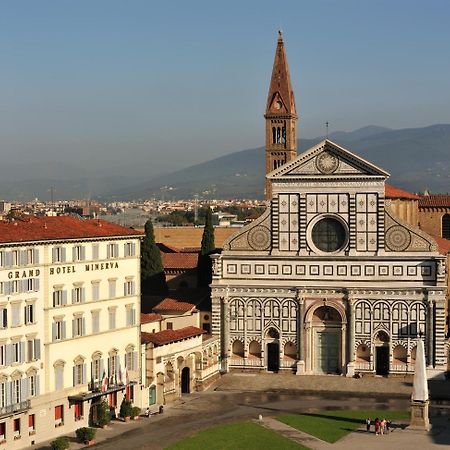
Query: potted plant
[103, 414]
[135, 412]
[86, 435]
[60, 443]
[125, 410]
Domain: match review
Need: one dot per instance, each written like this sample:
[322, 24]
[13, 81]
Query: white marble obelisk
[419, 398]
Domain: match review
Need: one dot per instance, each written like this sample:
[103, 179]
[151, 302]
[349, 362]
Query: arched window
[254, 349]
[290, 350]
[238, 349]
[446, 226]
[278, 135]
[274, 135]
[399, 355]
[363, 353]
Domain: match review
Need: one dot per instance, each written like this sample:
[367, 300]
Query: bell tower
[281, 116]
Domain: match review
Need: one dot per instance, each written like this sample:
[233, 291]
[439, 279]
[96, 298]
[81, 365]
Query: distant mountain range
[416, 158]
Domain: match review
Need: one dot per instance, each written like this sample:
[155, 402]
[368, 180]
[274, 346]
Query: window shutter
[63, 255]
[7, 287]
[53, 331]
[73, 376]
[5, 318]
[83, 253]
[133, 249]
[8, 354]
[73, 327]
[116, 250]
[108, 251]
[133, 316]
[135, 360]
[22, 352]
[101, 368]
[125, 289]
[37, 349]
[37, 385]
[9, 393]
[73, 295]
[64, 297]
[83, 294]
[53, 254]
[23, 259]
[133, 288]
[8, 259]
[24, 388]
[36, 256]
[36, 284]
[84, 373]
[74, 253]
[23, 286]
[83, 327]
[63, 329]
[95, 251]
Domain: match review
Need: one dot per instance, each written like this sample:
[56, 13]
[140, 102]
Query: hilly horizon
[416, 158]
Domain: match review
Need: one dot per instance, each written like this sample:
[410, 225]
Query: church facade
[328, 280]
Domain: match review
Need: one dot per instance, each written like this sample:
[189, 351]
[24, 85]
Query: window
[78, 327]
[78, 410]
[15, 257]
[2, 431]
[16, 428]
[2, 259]
[15, 287]
[59, 377]
[96, 368]
[131, 360]
[78, 295]
[328, 235]
[95, 321]
[17, 352]
[112, 251]
[112, 366]
[59, 330]
[112, 288]
[169, 325]
[31, 424]
[112, 318]
[446, 226]
[79, 373]
[2, 394]
[128, 288]
[130, 316]
[59, 297]
[16, 391]
[95, 290]
[29, 314]
[59, 415]
[32, 256]
[3, 355]
[32, 386]
[78, 253]
[3, 317]
[129, 249]
[59, 254]
[95, 251]
[32, 349]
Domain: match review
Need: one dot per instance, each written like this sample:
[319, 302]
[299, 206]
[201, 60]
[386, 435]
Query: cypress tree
[204, 265]
[153, 278]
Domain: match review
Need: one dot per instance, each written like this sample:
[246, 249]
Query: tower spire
[281, 115]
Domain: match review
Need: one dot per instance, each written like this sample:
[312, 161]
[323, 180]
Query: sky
[149, 87]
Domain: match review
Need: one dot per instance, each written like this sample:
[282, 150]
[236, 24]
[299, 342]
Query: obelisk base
[419, 416]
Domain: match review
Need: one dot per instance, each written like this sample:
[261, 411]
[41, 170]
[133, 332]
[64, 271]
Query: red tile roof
[179, 260]
[168, 336]
[150, 317]
[393, 192]
[434, 200]
[443, 245]
[33, 228]
[170, 304]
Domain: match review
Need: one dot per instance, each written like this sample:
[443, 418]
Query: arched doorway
[381, 342]
[326, 334]
[185, 381]
[273, 350]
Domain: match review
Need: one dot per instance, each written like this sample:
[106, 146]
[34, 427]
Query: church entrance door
[327, 352]
[382, 360]
[273, 357]
[185, 381]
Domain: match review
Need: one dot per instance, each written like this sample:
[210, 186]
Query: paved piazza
[245, 396]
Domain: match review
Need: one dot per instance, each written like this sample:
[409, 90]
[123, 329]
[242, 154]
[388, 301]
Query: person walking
[377, 426]
[388, 426]
[383, 426]
[368, 424]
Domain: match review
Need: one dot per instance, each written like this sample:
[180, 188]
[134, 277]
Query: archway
[185, 381]
[327, 327]
[273, 350]
[381, 342]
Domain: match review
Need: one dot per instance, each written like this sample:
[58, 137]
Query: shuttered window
[31, 423]
[59, 415]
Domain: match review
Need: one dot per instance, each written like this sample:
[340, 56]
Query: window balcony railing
[15, 408]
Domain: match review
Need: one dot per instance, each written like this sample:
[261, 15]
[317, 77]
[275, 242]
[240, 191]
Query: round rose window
[329, 235]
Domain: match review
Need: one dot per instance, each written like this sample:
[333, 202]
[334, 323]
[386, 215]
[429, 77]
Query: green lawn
[243, 435]
[331, 426]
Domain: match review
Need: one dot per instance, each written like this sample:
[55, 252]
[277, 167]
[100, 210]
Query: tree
[153, 278]
[204, 265]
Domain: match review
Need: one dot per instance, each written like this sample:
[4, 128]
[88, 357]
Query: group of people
[381, 426]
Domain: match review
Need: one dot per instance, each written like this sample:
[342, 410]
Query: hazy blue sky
[173, 83]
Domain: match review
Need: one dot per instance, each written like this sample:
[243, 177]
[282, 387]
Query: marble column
[351, 338]
[429, 333]
[225, 333]
[301, 336]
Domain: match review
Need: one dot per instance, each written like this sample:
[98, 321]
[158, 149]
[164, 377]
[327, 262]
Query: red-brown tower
[281, 116]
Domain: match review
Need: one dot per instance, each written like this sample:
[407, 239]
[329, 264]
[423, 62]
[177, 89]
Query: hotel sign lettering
[92, 267]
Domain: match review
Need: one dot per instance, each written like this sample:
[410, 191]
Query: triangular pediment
[327, 159]
[277, 105]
